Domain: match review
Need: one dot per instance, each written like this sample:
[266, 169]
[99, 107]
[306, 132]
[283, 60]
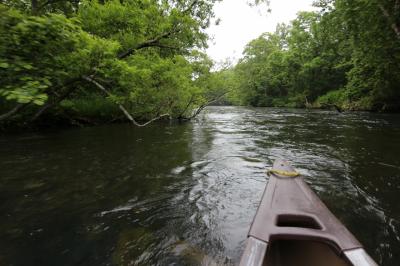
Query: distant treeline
[346, 55]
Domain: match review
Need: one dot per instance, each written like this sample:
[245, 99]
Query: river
[185, 194]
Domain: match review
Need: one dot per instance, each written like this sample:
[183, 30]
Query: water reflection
[186, 194]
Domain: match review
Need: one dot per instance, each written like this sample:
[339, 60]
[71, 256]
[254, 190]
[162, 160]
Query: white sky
[241, 23]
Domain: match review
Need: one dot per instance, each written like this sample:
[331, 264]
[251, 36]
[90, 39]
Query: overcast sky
[241, 24]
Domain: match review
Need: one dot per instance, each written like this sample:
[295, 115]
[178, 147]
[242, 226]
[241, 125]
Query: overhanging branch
[155, 42]
[149, 43]
[121, 107]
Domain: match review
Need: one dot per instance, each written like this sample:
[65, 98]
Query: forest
[88, 62]
[347, 55]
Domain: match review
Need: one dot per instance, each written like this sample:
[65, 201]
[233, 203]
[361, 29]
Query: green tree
[138, 54]
[346, 55]
[375, 41]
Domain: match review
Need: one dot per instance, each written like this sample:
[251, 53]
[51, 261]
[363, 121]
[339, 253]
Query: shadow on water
[186, 194]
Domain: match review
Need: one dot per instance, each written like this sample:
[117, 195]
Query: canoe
[293, 227]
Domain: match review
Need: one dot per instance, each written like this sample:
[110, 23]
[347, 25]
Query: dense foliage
[86, 60]
[347, 55]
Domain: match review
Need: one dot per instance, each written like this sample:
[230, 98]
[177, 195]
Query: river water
[185, 194]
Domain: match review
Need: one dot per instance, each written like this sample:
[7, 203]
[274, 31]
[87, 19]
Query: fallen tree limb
[121, 107]
[151, 121]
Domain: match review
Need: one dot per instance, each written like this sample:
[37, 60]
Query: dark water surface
[186, 194]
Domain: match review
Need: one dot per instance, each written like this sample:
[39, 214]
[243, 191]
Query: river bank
[103, 112]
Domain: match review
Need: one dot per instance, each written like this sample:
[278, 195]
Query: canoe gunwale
[359, 257]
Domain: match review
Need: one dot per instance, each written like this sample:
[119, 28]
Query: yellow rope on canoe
[283, 173]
